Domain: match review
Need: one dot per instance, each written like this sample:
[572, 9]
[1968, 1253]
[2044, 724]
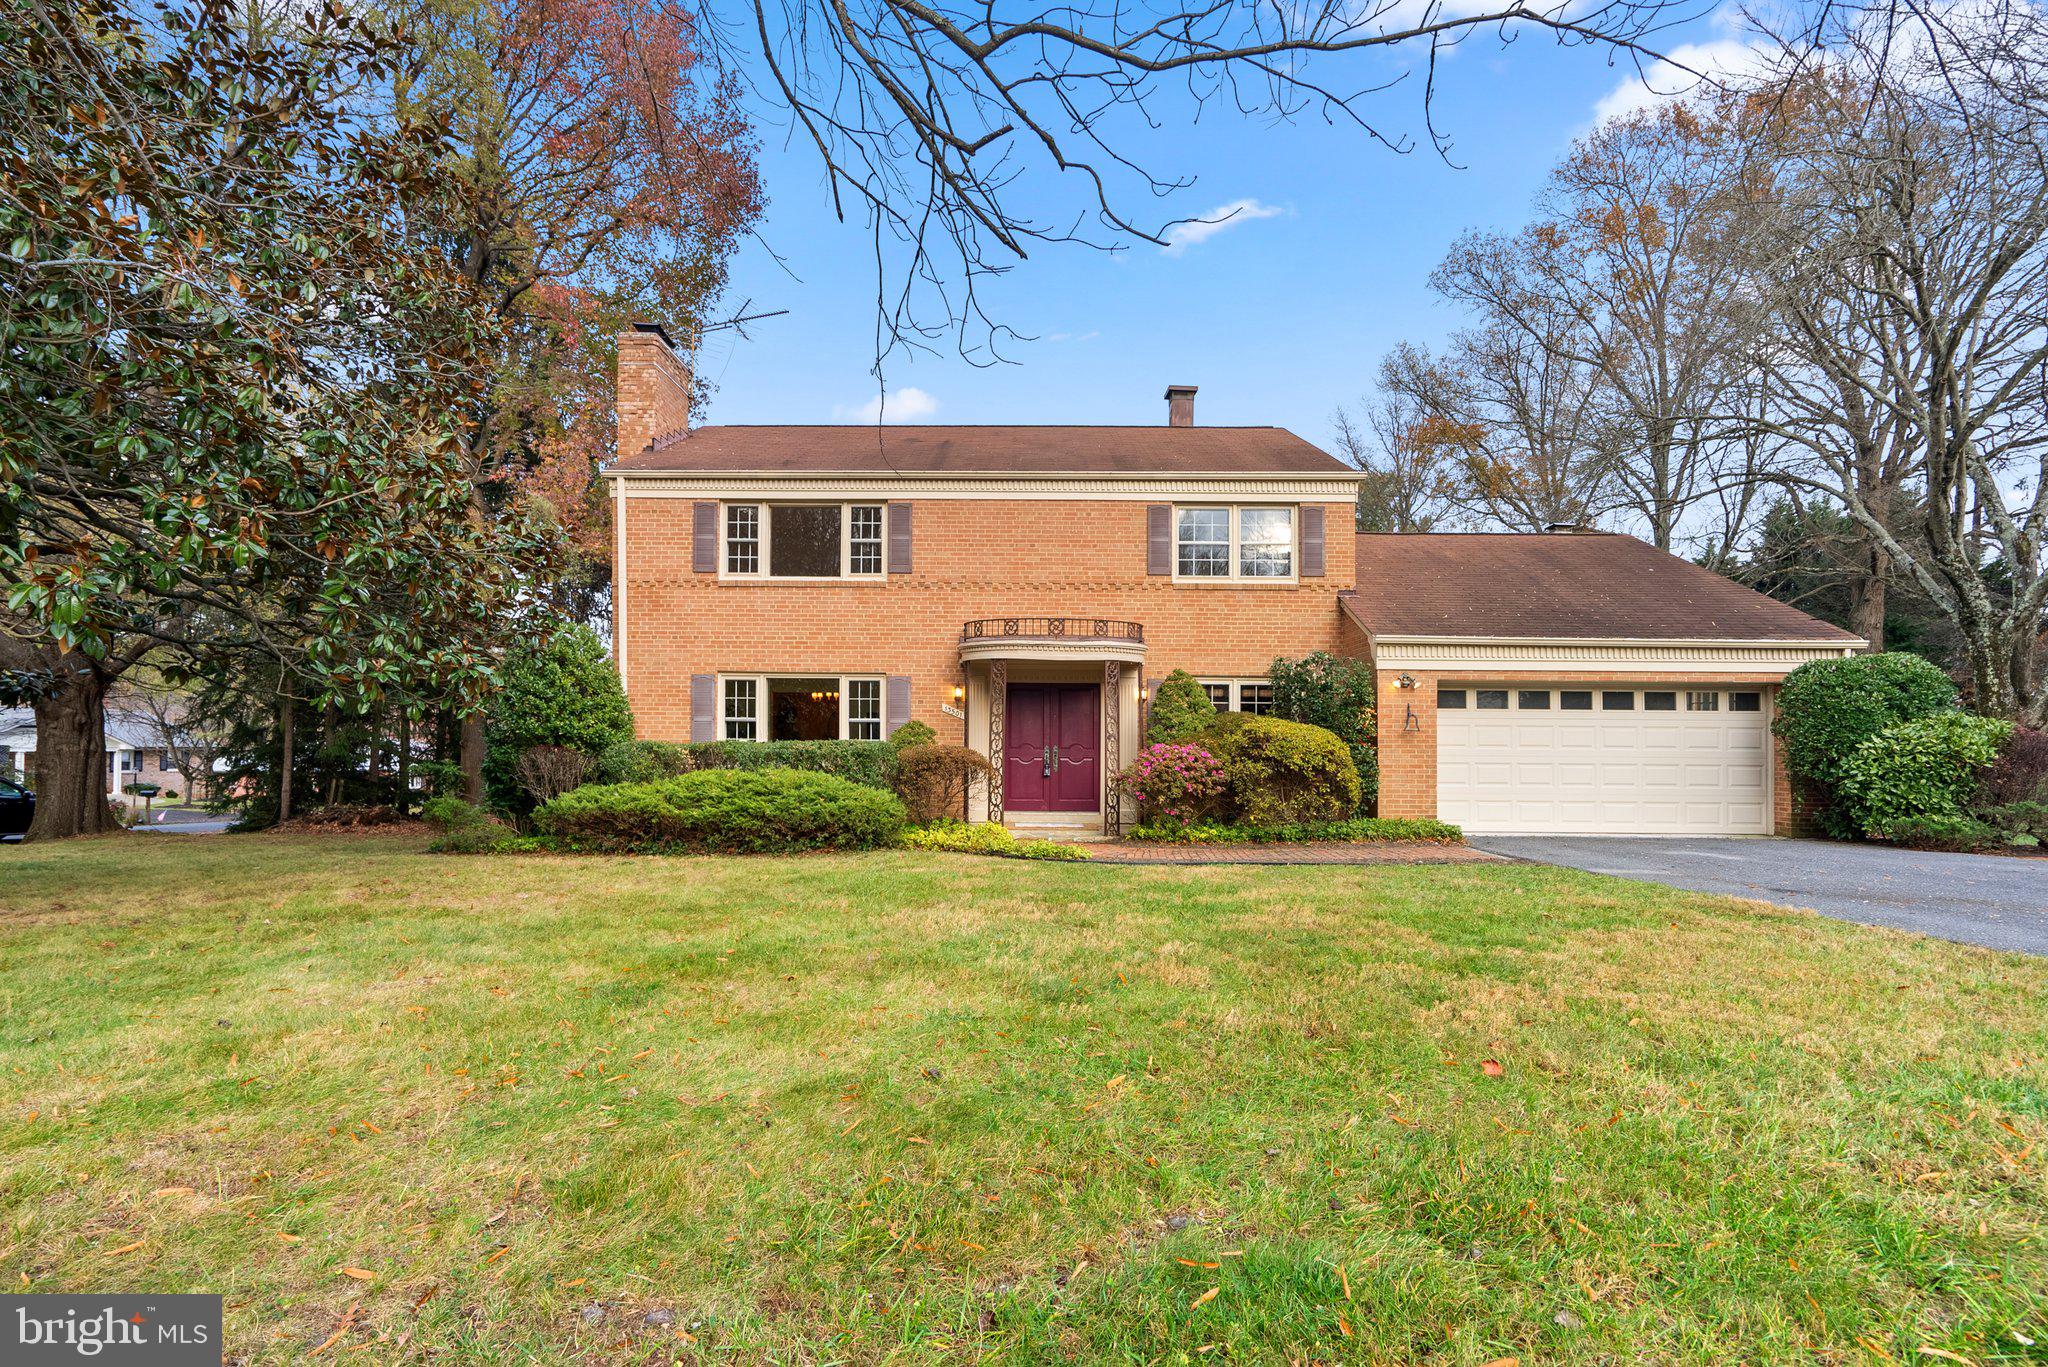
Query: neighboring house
[135, 755]
[1023, 589]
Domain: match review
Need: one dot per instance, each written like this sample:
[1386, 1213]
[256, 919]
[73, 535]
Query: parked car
[17, 807]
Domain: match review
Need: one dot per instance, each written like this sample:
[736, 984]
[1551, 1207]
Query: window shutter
[1158, 539]
[899, 538]
[703, 707]
[1312, 542]
[704, 557]
[896, 707]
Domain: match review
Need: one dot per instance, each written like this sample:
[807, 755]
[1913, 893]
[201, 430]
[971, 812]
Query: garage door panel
[1609, 772]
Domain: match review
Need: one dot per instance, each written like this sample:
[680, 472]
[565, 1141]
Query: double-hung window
[742, 709]
[743, 538]
[1234, 543]
[803, 541]
[801, 707]
[1240, 695]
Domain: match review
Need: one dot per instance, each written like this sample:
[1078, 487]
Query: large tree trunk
[404, 803]
[71, 759]
[472, 755]
[1867, 589]
[284, 772]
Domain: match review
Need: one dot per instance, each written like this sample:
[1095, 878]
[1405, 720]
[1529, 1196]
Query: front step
[1067, 832]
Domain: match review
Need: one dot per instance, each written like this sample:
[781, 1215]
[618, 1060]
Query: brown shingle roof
[1584, 585]
[991, 450]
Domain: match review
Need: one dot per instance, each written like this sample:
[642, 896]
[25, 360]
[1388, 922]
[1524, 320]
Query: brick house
[136, 754]
[1022, 590]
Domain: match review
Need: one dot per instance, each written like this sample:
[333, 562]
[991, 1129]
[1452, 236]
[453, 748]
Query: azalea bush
[1175, 783]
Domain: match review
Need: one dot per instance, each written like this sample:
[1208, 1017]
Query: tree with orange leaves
[609, 171]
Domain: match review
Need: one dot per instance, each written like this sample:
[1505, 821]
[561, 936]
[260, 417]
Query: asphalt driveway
[1979, 899]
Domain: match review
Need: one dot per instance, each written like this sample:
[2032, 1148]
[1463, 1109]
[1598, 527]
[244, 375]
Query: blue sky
[1278, 318]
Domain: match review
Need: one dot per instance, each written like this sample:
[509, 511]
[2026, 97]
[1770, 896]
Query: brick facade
[972, 558]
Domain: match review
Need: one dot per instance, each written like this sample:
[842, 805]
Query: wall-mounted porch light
[1405, 681]
[959, 693]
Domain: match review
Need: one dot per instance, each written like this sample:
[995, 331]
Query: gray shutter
[896, 704]
[1158, 539]
[703, 707]
[1312, 542]
[704, 556]
[899, 538]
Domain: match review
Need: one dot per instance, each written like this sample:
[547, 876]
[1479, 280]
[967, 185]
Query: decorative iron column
[998, 708]
[1112, 748]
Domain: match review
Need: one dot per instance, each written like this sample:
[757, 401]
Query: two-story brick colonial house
[1022, 589]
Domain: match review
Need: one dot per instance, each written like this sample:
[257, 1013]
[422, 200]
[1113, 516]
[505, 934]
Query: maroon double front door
[1052, 748]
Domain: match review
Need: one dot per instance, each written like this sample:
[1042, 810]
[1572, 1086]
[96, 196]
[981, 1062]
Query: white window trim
[764, 541]
[1237, 576]
[1236, 687]
[760, 682]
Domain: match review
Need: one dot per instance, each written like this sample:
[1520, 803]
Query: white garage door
[1603, 759]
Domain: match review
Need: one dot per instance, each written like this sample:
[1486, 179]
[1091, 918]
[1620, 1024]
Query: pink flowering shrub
[1175, 784]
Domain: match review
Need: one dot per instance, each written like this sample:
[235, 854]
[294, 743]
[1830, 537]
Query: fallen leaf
[1491, 1067]
[1205, 1298]
[1927, 1351]
[124, 1248]
[361, 1274]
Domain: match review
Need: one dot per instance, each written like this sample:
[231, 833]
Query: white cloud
[1679, 73]
[1087, 336]
[1202, 227]
[908, 404]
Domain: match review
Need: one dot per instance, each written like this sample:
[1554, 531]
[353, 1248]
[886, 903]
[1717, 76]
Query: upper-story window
[1254, 542]
[803, 540]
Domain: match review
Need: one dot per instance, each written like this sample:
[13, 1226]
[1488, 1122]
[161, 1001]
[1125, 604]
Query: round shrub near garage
[640, 761]
[1918, 769]
[1826, 708]
[1280, 773]
[732, 811]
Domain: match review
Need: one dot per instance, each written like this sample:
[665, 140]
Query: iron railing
[1053, 628]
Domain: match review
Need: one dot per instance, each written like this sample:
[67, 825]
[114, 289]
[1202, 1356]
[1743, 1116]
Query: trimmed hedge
[1919, 769]
[1358, 828]
[1280, 773]
[986, 837]
[640, 761]
[870, 763]
[731, 811]
[913, 733]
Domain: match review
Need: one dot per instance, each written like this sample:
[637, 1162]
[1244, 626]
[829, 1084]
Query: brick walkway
[1371, 852]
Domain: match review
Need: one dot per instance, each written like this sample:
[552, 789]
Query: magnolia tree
[239, 368]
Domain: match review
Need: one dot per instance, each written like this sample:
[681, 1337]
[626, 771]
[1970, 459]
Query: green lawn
[905, 1108]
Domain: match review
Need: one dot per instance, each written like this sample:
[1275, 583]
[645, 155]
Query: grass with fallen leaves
[399, 1107]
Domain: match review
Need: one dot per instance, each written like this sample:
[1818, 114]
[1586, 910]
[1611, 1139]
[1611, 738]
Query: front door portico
[1052, 748]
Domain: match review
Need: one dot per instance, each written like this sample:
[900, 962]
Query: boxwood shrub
[723, 810]
[1279, 773]
[1180, 709]
[1917, 769]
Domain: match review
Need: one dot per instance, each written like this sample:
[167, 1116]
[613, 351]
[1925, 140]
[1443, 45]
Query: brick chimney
[1180, 405]
[654, 388]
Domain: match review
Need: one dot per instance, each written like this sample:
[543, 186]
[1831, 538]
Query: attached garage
[1598, 758]
[1577, 683]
